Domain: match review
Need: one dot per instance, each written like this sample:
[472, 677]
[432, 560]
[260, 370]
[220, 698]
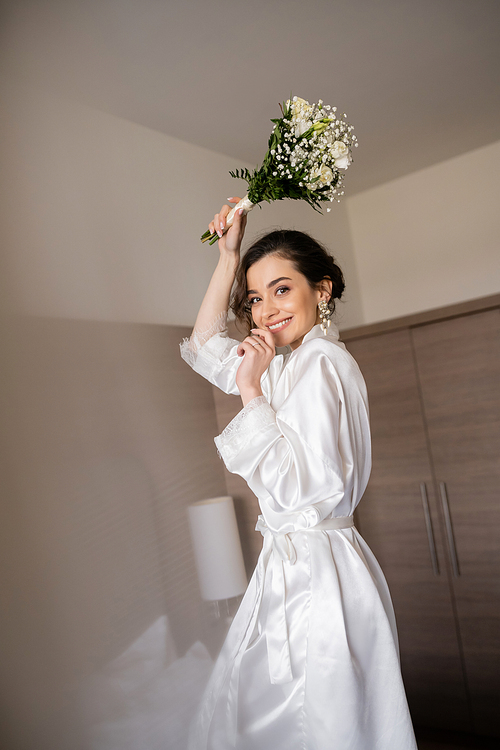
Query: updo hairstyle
[308, 256]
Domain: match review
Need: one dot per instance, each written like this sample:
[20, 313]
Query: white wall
[429, 239]
[104, 216]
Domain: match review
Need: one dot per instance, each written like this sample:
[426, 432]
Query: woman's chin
[283, 339]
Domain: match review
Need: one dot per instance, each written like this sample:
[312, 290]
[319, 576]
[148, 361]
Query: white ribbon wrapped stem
[245, 204]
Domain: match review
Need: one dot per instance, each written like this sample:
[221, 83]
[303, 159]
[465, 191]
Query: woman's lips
[281, 325]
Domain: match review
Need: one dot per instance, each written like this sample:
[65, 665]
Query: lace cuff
[191, 346]
[252, 419]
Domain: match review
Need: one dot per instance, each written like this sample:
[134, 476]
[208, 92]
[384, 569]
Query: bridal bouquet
[310, 148]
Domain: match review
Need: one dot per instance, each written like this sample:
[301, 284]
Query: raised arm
[233, 366]
[209, 350]
[216, 300]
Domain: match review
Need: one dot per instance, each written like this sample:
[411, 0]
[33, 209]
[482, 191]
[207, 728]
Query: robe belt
[278, 649]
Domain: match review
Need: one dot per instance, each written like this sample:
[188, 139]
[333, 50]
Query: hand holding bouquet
[309, 150]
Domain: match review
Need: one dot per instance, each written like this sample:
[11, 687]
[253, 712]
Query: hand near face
[257, 351]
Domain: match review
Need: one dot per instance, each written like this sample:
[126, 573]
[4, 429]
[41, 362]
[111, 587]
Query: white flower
[343, 162]
[325, 175]
[301, 126]
[340, 153]
[301, 109]
[301, 112]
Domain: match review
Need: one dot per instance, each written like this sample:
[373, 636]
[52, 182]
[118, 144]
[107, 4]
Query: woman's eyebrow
[271, 283]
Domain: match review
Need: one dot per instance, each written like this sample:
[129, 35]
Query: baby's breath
[310, 148]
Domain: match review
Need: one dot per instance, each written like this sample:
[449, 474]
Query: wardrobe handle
[428, 525]
[449, 529]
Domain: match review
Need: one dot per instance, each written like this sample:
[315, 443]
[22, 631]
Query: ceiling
[418, 79]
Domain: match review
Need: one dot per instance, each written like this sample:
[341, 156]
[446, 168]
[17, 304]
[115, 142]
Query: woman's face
[282, 301]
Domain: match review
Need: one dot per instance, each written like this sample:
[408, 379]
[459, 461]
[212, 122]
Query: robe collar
[315, 332]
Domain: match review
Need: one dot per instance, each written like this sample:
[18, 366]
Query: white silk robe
[311, 660]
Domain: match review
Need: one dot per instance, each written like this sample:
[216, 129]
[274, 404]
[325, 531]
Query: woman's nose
[269, 307]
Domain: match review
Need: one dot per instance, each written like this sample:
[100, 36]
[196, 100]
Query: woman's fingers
[214, 225]
[266, 336]
[250, 344]
[219, 221]
[239, 222]
[225, 210]
[222, 217]
[231, 241]
[245, 347]
[257, 358]
[257, 345]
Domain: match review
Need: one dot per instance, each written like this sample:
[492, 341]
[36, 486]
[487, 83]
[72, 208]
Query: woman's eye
[282, 289]
[253, 300]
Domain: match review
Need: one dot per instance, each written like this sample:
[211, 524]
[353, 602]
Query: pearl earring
[325, 314]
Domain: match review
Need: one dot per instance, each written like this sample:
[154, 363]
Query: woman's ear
[325, 287]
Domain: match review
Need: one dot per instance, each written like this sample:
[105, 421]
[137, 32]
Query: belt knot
[278, 648]
[282, 543]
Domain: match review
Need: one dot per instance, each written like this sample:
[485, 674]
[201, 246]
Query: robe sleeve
[212, 354]
[291, 458]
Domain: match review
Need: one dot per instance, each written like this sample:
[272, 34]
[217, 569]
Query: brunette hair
[308, 256]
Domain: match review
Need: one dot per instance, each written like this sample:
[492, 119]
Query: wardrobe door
[459, 370]
[392, 519]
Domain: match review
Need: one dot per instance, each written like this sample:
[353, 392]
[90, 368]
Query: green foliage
[282, 175]
[264, 186]
[241, 174]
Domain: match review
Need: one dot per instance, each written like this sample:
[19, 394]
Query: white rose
[325, 175]
[343, 162]
[301, 126]
[301, 110]
[339, 149]
[300, 107]
[341, 154]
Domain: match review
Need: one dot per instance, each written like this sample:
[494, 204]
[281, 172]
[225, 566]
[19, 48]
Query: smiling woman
[311, 659]
[301, 273]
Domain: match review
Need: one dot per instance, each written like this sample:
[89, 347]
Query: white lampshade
[217, 548]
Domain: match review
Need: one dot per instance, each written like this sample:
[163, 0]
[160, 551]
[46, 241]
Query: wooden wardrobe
[431, 512]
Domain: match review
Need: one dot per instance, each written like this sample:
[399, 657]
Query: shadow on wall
[107, 437]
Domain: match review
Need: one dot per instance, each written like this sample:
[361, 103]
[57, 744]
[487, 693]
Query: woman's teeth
[278, 325]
